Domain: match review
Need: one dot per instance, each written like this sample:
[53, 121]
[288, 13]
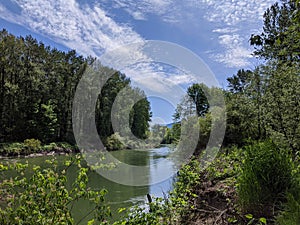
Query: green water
[121, 195]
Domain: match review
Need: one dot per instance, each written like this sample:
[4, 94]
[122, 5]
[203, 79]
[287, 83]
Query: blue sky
[216, 30]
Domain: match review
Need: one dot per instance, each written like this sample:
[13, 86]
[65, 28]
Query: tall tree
[244, 107]
[280, 32]
[141, 116]
[198, 93]
[37, 87]
[281, 103]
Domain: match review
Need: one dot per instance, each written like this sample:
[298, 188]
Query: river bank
[34, 148]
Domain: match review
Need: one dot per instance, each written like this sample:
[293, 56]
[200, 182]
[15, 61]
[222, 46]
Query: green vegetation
[44, 198]
[37, 87]
[265, 178]
[254, 180]
[262, 109]
[33, 146]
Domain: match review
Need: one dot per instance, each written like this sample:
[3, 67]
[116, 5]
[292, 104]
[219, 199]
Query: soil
[215, 203]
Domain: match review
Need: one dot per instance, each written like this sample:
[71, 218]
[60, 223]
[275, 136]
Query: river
[120, 195]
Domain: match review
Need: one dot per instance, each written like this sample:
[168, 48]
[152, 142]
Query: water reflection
[120, 195]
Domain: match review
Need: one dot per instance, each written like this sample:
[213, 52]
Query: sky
[217, 31]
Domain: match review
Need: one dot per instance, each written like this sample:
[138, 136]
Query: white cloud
[90, 31]
[231, 17]
[157, 79]
[87, 29]
[157, 76]
[235, 21]
[140, 10]
[235, 54]
[232, 12]
[225, 30]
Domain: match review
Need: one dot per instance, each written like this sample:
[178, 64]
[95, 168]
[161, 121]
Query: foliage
[227, 164]
[280, 37]
[244, 107]
[37, 88]
[204, 103]
[32, 145]
[281, 104]
[114, 142]
[291, 213]
[199, 92]
[43, 198]
[205, 128]
[265, 178]
[195, 102]
[11, 149]
[172, 134]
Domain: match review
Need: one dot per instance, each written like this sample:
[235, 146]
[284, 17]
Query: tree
[195, 102]
[280, 36]
[244, 107]
[238, 83]
[198, 93]
[37, 87]
[141, 116]
[281, 104]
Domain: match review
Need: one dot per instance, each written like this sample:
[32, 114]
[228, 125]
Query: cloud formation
[140, 10]
[236, 18]
[87, 29]
[90, 31]
[91, 28]
[236, 55]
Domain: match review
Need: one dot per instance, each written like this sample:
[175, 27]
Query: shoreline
[35, 155]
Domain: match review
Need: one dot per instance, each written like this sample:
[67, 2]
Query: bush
[42, 197]
[11, 149]
[114, 142]
[265, 178]
[291, 213]
[50, 147]
[32, 145]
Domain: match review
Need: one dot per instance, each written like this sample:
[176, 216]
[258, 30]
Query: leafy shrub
[11, 149]
[43, 197]
[114, 142]
[291, 213]
[32, 145]
[50, 147]
[265, 178]
[227, 164]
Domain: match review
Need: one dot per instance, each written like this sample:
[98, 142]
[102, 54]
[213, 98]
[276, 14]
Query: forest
[255, 179]
[37, 89]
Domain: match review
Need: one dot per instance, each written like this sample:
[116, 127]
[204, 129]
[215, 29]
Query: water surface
[120, 195]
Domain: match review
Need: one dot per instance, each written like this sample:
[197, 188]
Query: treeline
[262, 103]
[37, 87]
[262, 138]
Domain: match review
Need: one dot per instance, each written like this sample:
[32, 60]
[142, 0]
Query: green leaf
[249, 216]
[91, 222]
[121, 210]
[263, 220]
